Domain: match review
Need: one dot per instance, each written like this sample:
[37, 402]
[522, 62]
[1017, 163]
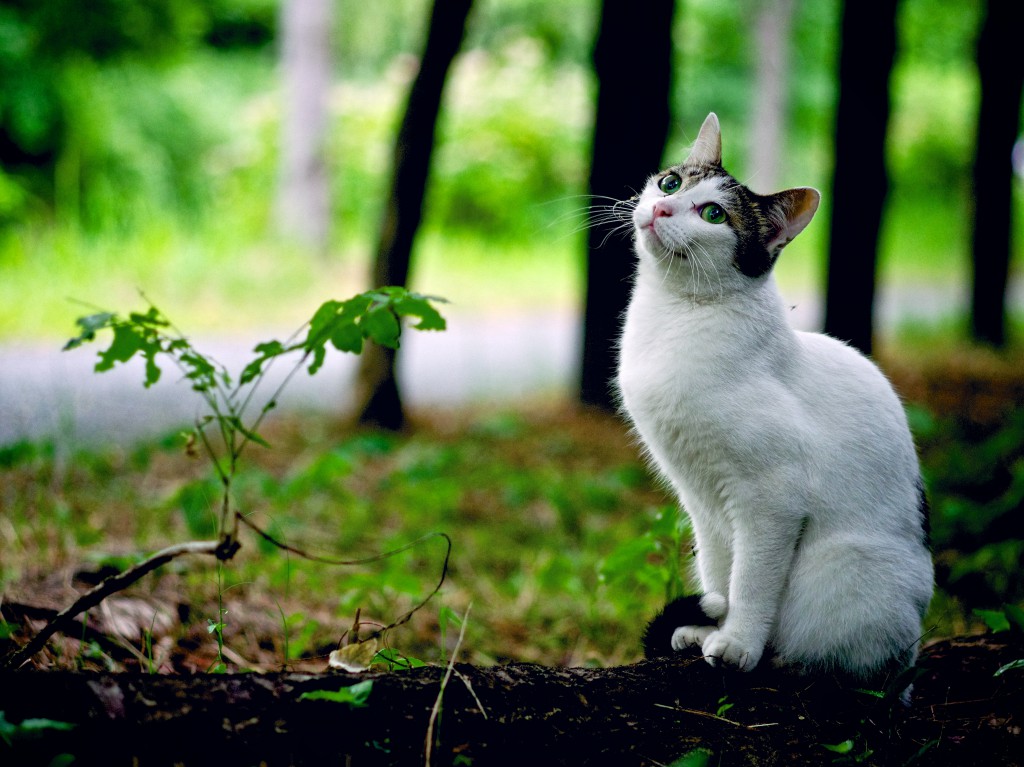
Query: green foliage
[653, 560]
[1010, 617]
[375, 315]
[976, 482]
[354, 696]
[699, 757]
[30, 729]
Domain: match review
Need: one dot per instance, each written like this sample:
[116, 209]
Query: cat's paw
[685, 637]
[721, 649]
[714, 605]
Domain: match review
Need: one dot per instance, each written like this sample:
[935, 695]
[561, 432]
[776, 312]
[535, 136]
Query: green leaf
[152, 370]
[266, 351]
[1015, 616]
[153, 318]
[126, 342]
[198, 369]
[395, 660]
[29, 729]
[416, 305]
[319, 353]
[381, 325]
[354, 696]
[249, 434]
[1014, 665]
[89, 325]
[320, 324]
[699, 757]
[995, 620]
[840, 748]
[347, 337]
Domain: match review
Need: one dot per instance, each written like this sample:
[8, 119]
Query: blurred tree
[303, 200]
[630, 128]
[859, 182]
[379, 399]
[772, 21]
[1001, 74]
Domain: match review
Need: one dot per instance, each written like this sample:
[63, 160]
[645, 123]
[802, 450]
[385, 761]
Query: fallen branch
[111, 585]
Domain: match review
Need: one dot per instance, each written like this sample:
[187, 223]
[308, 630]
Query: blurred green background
[140, 150]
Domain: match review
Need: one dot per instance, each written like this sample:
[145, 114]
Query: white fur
[789, 451]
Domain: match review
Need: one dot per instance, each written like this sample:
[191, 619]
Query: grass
[534, 513]
[563, 543]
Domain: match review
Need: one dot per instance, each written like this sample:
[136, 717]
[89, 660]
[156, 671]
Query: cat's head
[706, 233]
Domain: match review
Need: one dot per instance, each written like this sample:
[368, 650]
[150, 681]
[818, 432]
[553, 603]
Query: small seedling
[229, 427]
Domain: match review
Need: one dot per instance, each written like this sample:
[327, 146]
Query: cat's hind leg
[854, 604]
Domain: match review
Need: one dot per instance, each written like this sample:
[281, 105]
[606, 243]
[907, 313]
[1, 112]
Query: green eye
[670, 183]
[713, 213]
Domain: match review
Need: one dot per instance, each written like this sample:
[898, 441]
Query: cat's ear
[792, 210]
[707, 149]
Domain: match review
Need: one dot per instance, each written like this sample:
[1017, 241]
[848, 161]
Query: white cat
[789, 451]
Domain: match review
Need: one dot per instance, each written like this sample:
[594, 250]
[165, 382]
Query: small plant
[654, 560]
[233, 422]
[354, 695]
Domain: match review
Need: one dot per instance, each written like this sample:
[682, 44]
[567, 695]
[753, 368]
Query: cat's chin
[657, 247]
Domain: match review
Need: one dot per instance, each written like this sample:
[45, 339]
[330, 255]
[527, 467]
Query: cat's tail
[683, 611]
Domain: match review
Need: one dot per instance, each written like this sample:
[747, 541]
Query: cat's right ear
[792, 211]
[707, 149]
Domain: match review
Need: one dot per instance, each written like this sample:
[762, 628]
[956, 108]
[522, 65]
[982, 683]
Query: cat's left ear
[792, 210]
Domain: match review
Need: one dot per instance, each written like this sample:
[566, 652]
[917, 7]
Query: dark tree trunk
[1001, 72]
[380, 401]
[633, 60]
[860, 182]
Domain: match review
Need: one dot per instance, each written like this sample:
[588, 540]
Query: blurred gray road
[49, 394]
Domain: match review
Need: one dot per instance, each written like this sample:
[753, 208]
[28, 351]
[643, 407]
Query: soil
[648, 713]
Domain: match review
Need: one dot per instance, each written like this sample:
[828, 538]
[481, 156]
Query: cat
[789, 451]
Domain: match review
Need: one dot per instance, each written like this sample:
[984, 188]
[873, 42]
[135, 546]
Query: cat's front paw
[721, 649]
[685, 637]
[714, 605]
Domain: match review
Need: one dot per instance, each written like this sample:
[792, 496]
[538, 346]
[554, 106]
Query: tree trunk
[1001, 73]
[378, 393]
[860, 182]
[630, 128]
[304, 203]
[772, 28]
[643, 715]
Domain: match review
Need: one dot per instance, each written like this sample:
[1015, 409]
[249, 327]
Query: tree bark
[645, 714]
[860, 182]
[1001, 75]
[378, 393]
[630, 129]
[304, 200]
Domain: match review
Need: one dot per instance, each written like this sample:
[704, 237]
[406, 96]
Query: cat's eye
[670, 183]
[713, 213]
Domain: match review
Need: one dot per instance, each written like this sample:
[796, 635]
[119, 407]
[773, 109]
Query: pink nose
[662, 209]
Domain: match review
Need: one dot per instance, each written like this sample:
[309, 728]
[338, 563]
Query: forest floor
[540, 504]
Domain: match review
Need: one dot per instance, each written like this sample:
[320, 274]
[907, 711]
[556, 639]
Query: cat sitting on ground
[789, 451]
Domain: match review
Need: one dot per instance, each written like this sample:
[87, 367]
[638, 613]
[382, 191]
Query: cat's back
[839, 383]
